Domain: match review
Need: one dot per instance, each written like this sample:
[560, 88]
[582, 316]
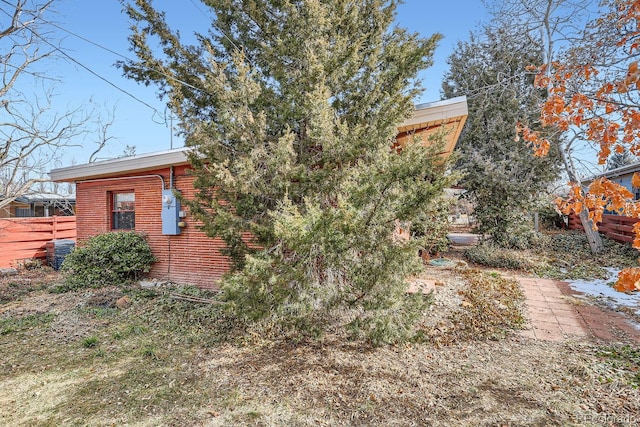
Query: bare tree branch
[32, 135]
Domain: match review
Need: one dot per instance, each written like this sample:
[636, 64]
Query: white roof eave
[614, 173]
[437, 112]
[430, 113]
[122, 165]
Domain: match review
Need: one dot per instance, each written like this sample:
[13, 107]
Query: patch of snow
[603, 291]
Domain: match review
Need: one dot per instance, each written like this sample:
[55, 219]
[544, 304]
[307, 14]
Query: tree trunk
[593, 237]
[548, 30]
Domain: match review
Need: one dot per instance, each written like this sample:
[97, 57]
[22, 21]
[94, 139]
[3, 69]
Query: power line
[198, 7]
[56, 48]
[169, 76]
[72, 59]
[84, 39]
[103, 78]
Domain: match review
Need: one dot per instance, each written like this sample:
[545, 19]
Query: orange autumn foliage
[602, 195]
[607, 116]
[628, 280]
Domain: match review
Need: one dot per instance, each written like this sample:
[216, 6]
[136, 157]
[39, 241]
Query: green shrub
[495, 256]
[431, 227]
[549, 218]
[567, 255]
[518, 233]
[108, 259]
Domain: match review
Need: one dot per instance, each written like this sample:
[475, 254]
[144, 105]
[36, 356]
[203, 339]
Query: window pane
[124, 220]
[124, 201]
[23, 212]
[123, 215]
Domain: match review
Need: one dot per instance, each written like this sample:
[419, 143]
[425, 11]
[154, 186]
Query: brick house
[135, 193]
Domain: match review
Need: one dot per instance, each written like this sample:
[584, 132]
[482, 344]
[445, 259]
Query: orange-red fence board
[26, 238]
[620, 238]
[615, 227]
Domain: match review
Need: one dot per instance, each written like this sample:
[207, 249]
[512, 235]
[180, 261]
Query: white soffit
[124, 165]
[438, 112]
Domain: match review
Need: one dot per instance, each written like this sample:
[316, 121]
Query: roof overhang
[442, 118]
[124, 165]
[614, 173]
[446, 116]
[45, 198]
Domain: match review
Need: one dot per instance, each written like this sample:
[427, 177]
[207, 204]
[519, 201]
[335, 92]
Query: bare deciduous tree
[32, 134]
[556, 24]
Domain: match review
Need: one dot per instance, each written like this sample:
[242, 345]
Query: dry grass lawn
[78, 359]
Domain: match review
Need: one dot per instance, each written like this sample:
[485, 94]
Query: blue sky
[136, 124]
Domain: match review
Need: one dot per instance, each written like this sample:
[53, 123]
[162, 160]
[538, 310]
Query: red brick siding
[190, 257]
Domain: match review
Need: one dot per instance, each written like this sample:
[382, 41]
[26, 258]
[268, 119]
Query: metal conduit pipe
[125, 177]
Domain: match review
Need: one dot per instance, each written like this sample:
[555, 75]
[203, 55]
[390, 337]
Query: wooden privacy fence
[615, 227]
[26, 238]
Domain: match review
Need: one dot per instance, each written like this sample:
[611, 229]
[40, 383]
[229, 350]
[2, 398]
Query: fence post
[55, 226]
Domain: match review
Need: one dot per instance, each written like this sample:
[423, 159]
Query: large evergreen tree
[291, 107]
[503, 177]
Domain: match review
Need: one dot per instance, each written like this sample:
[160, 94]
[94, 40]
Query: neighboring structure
[622, 176]
[39, 205]
[136, 193]
[615, 227]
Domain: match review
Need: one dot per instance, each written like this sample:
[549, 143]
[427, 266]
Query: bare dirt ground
[79, 359]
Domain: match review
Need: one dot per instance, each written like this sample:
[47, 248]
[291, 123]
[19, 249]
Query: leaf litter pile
[139, 357]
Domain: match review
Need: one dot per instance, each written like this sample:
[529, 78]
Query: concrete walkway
[556, 315]
[463, 239]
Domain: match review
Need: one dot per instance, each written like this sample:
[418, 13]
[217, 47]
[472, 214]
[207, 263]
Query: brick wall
[190, 257]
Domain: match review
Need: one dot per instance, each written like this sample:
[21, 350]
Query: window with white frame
[123, 210]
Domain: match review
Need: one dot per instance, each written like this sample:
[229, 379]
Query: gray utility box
[170, 213]
[57, 250]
